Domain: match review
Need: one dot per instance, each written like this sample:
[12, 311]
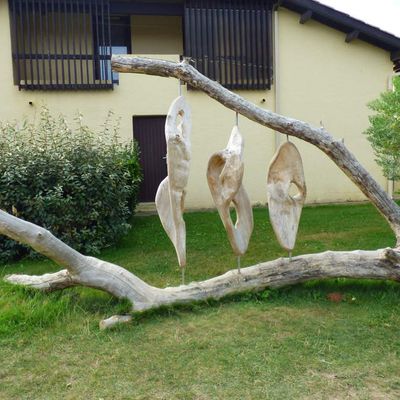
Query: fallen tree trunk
[381, 264]
[82, 270]
[319, 137]
[92, 272]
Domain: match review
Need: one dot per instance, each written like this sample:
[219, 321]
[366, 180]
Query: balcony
[67, 44]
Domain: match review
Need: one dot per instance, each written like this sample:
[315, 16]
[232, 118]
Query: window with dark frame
[120, 31]
[230, 41]
[54, 44]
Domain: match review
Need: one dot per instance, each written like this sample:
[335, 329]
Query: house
[296, 57]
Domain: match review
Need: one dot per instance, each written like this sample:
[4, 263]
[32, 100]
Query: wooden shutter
[231, 41]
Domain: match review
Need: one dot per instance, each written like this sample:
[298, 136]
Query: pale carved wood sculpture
[79, 269]
[285, 169]
[170, 196]
[224, 176]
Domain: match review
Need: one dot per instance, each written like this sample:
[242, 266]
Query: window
[54, 44]
[231, 41]
[120, 44]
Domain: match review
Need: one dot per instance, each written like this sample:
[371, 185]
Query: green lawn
[290, 343]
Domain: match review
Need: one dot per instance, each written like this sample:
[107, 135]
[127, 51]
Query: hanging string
[183, 269]
[287, 138]
[290, 256]
[238, 257]
[180, 87]
[183, 275]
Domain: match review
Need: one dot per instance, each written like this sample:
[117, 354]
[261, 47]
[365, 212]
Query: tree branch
[46, 282]
[320, 138]
[80, 269]
[92, 272]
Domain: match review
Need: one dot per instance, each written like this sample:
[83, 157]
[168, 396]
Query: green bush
[79, 184]
[384, 131]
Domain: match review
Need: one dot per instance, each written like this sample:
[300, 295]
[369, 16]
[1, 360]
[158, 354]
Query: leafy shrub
[384, 131]
[79, 184]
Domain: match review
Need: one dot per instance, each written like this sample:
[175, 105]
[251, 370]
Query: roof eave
[344, 23]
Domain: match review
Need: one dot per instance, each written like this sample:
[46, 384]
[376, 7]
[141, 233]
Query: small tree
[384, 131]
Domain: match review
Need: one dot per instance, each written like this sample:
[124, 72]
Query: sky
[384, 14]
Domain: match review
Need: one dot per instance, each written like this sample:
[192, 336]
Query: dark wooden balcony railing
[61, 44]
[66, 44]
[231, 41]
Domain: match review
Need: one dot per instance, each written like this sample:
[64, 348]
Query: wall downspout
[277, 80]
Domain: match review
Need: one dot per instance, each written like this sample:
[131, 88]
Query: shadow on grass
[364, 293]
[26, 311]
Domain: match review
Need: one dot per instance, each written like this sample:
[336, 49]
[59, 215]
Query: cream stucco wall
[157, 34]
[321, 78]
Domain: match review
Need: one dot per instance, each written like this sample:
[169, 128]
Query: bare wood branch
[115, 320]
[80, 269]
[383, 264]
[319, 137]
[378, 264]
[46, 283]
[92, 272]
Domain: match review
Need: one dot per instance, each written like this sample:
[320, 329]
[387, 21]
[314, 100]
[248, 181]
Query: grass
[290, 343]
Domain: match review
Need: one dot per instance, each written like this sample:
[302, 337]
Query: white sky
[384, 14]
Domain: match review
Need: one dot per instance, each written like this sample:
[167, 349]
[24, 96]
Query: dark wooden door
[150, 134]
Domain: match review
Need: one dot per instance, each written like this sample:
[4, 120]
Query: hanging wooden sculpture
[224, 176]
[170, 195]
[286, 168]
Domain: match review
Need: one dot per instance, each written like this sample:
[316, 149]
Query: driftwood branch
[79, 269]
[89, 271]
[319, 137]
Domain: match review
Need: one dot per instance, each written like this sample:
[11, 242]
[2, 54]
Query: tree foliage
[384, 130]
[79, 184]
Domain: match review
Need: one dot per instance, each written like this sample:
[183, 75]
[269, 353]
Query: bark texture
[319, 137]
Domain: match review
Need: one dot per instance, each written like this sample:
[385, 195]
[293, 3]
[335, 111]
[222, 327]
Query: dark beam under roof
[352, 36]
[395, 55]
[146, 8]
[305, 17]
